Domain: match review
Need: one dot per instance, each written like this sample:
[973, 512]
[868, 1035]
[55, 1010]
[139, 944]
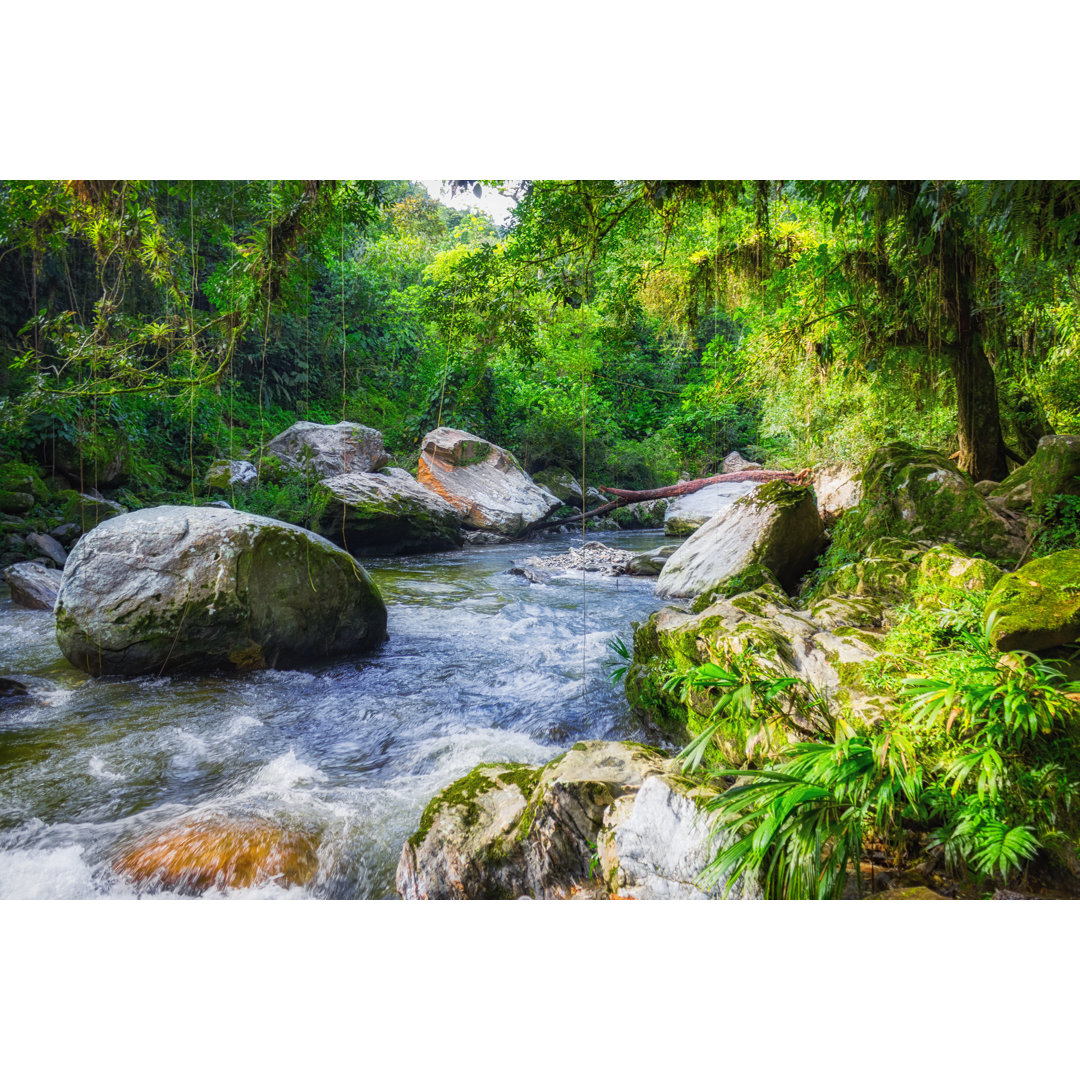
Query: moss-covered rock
[178, 588]
[888, 579]
[224, 475]
[510, 830]
[836, 610]
[688, 513]
[776, 526]
[388, 513]
[753, 577]
[919, 494]
[945, 571]
[16, 502]
[1054, 469]
[1038, 606]
[88, 511]
[329, 449]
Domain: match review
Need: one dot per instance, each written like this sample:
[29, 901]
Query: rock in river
[776, 526]
[483, 481]
[182, 588]
[329, 449]
[388, 513]
[32, 585]
[689, 512]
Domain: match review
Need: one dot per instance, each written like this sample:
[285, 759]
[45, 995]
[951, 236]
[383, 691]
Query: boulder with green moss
[567, 488]
[224, 474]
[180, 588]
[329, 449]
[387, 513]
[919, 494]
[1038, 606]
[776, 526]
[1054, 469]
[87, 511]
[604, 819]
[945, 571]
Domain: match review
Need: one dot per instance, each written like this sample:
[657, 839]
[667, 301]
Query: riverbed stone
[688, 513]
[777, 526]
[32, 585]
[49, 546]
[483, 481]
[196, 855]
[178, 588]
[1038, 606]
[329, 449]
[388, 513]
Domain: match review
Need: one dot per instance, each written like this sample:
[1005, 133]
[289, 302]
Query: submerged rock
[483, 481]
[178, 588]
[569, 828]
[688, 513]
[197, 855]
[1038, 606]
[388, 513]
[776, 526]
[329, 449]
[32, 585]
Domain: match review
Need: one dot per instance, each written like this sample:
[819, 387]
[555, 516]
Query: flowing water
[480, 666]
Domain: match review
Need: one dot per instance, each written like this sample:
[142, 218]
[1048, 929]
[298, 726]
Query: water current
[480, 666]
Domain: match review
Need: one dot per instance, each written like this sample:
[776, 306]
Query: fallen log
[624, 497]
[688, 487]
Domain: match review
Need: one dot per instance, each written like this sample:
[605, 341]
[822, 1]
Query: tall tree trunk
[982, 448]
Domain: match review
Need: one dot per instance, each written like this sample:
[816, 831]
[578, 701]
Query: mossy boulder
[888, 579]
[88, 511]
[567, 488]
[329, 449]
[1054, 469]
[945, 571]
[511, 830]
[387, 513]
[16, 502]
[919, 494]
[754, 577]
[100, 458]
[776, 526]
[1038, 606]
[178, 588]
[641, 515]
[224, 475]
[836, 611]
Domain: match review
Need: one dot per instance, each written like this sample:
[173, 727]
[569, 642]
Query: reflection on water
[480, 666]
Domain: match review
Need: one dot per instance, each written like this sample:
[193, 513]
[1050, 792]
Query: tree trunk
[982, 448]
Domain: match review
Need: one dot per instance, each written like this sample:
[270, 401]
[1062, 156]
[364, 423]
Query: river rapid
[480, 666]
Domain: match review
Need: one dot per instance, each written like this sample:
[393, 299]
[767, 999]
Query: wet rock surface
[32, 585]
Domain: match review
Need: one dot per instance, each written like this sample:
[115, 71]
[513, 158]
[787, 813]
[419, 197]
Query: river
[480, 666]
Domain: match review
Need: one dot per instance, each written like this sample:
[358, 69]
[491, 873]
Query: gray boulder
[177, 588]
[49, 546]
[838, 488]
[688, 513]
[735, 462]
[483, 481]
[777, 526]
[329, 449]
[388, 513]
[32, 585]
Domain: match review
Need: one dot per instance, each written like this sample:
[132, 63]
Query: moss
[780, 493]
[1038, 606]
[888, 579]
[944, 572]
[469, 788]
[17, 476]
[753, 577]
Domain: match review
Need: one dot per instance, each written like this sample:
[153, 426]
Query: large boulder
[197, 854]
[688, 513]
[777, 526]
[177, 588]
[569, 828]
[921, 495]
[329, 449]
[1054, 469]
[567, 488]
[1038, 606]
[735, 462]
[483, 481]
[388, 513]
[32, 585]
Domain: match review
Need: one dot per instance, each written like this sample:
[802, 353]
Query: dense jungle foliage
[633, 331]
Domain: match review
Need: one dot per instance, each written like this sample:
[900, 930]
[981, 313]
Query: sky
[497, 206]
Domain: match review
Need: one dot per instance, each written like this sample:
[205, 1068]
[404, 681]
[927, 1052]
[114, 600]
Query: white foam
[286, 772]
[45, 874]
[97, 768]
